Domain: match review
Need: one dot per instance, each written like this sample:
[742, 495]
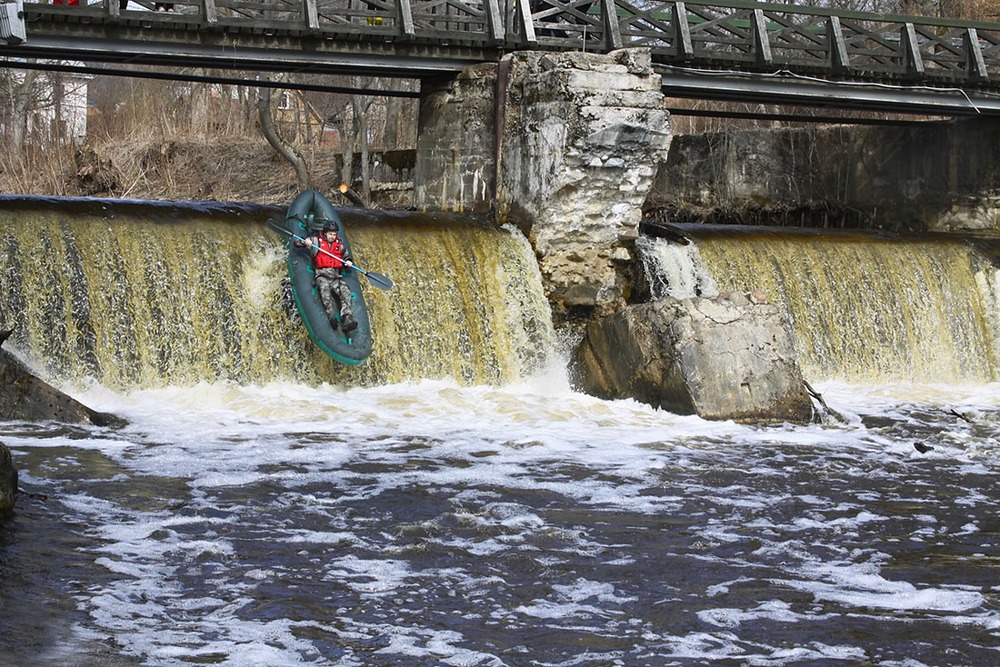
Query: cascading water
[675, 270]
[863, 308]
[134, 297]
[266, 506]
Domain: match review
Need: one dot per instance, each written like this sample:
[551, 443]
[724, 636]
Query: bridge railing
[767, 37]
[737, 34]
[811, 39]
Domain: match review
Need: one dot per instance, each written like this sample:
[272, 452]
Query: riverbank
[229, 169]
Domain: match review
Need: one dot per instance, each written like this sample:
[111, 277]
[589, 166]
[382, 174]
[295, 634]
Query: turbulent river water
[432, 524]
[453, 501]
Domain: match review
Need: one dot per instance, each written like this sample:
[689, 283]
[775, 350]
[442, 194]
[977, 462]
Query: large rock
[8, 482]
[717, 358]
[24, 396]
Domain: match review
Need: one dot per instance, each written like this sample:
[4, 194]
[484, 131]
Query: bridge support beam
[564, 146]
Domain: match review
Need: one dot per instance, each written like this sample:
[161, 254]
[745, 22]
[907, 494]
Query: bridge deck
[741, 50]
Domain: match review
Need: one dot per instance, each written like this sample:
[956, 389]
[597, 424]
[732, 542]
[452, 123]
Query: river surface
[524, 525]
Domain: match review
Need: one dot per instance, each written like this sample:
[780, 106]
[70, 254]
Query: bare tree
[283, 148]
[360, 104]
[20, 94]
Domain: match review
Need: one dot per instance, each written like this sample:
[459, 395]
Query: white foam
[177, 588]
[440, 646]
[863, 586]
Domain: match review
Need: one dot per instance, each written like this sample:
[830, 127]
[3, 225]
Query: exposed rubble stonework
[581, 138]
[564, 146]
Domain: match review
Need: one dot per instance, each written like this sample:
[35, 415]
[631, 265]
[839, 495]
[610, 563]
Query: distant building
[300, 121]
[58, 107]
[69, 118]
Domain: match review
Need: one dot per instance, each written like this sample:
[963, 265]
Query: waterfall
[675, 270]
[863, 308]
[134, 295]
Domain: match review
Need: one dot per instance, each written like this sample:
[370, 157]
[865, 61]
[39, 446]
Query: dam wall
[141, 294]
[557, 158]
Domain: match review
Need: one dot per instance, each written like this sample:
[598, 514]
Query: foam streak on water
[431, 524]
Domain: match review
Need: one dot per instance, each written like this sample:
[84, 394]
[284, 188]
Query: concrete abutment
[914, 177]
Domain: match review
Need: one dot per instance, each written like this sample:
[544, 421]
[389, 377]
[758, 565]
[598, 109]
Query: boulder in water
[717, 358]
[25, 396]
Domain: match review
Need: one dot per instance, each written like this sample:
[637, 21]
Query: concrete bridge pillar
[565, 146]
[456, 142]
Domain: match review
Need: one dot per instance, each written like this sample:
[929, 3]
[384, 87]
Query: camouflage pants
[334, 293]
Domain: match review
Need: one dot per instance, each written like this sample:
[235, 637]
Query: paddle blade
[273, 224]
[379, 281]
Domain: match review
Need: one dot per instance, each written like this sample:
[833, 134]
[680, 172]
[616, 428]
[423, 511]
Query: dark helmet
[328, 226]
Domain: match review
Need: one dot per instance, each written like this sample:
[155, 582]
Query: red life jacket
[323, 260]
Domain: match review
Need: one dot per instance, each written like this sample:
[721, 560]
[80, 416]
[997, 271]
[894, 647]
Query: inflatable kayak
[306, 216]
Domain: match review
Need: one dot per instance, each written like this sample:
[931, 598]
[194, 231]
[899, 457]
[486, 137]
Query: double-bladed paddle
[376, 279]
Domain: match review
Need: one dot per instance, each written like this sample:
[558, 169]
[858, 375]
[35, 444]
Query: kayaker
[331, 260]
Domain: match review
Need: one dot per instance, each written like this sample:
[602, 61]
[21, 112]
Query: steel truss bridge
[735, 51]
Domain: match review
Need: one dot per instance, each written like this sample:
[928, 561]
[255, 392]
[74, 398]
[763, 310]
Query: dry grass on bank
[240, 170]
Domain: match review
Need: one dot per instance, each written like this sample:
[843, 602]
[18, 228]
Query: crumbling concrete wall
[933, 176]
[565, 146]
[456, 143]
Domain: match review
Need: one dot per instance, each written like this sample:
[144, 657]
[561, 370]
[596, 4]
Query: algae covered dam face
[137, 294]
[864, 307]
